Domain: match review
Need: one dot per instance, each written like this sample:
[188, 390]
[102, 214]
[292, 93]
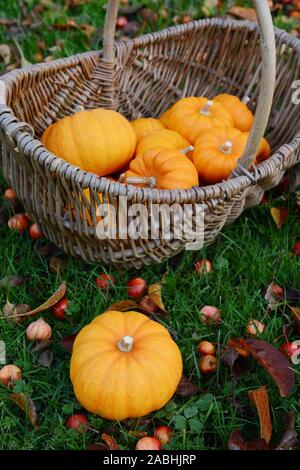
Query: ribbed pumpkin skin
[242, 116]
[212, 163]
[143, 126]
[162, 138]
[164, 118]
[119, 385]
[187, 118]
[171, 169]
[100, 141]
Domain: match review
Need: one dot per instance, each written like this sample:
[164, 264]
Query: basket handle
[268, 74]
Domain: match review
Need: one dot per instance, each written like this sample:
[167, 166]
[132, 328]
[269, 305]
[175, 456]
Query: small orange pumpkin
[164, 118]
[218, 150]
[124, 365]
[191, 116]
[170, 168]
[100, 141]
[163, 138]
[143, 126]
[242, 116]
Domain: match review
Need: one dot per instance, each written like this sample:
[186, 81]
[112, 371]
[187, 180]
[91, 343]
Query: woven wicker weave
[143, 76]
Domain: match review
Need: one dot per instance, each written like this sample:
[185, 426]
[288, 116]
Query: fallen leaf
[97, 446]
[243, 13]
[186, 388]
[46, 358]
[58, 294]
[237, 364]
[124, 306]
[13, 281]
[270, 296]
[279, 215]
[237, 442]
[154, 293]
[42, 346]
[57, 265]
[291, 295]
[70, 24]
[27, 405]
[50, 250]
[260, 398]
[68, 341]
[296, 317]
[138, 434]
[289, 439]
[110, 441]
[15, 313]
[5, 54]
[271, 359]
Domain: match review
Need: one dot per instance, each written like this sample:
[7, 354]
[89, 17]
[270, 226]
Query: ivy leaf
[191, 411]
[195, 425]
[180, 423]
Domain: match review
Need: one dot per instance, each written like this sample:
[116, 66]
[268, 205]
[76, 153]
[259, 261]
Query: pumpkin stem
[205, 111]
[125, 344]
[79, 108]
[151, 180]
[246, 100]
[186, 150]
[227, 147]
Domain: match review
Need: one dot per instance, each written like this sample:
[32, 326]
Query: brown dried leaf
[138, 434]
[296, 317]
[124, 306]
[289, 439]
[13, 281]
[237, 442]
[42, 346]
[260, 398]
[270, 297]
[154, 293]
[68, 341]
[237, 364]
[58, 294]
[46, 358]
[14, 312]
[243, 13]
[272, 360]
[27, 405]
[110, 441]
[186, 388]
[279, 215]
[97, 446]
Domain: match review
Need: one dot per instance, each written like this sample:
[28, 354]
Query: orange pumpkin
[191, 116]
[218, 150]
[143, 126]
[124, 365]
[242, 116]
[163, 138]
[170, 168]
[100, 141]
[164, 118]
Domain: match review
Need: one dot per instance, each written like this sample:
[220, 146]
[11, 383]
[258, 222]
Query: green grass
[247, 256]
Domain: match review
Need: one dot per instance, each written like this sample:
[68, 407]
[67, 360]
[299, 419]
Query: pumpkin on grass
[100, 141]
[168, 168]
[143, 126]
[124, 365]
[218, 150]
[191, 116]
[164, 138]
[242, 116]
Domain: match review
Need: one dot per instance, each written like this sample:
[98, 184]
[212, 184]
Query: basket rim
[33, 147]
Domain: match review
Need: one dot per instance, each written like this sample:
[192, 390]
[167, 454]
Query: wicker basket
[144, 76]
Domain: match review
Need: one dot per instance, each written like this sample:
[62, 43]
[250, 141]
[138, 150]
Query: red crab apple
[121, 22]
[203, 266]
[59, 309]
[296, 248]
[148, 443]
[210, 315]
[10, 195]
[78, 422]
[163, 434]
[208, 364]
[136, 287]
[255, 327]
[10, 374]
[18, 222]
[277, 291]
[104, 281]
[290, 348]
[35, 232]
[206, 348]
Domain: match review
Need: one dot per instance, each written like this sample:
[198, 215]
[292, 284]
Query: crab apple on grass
[18, 222]
[208, 364]
[35, 232]
[210, 315]
[59, 309]
[136, 287]
[10, 195]
[206, 348]
[148, 443]
[105, 281]
[10, 374]
[255, 327]
[296, 248]
[289, 349]
[39, 330]
[163, 434]
[202, 267]
[79, 422]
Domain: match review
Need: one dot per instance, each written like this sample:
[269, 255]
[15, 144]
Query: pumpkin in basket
[164, 118]
[218, 150]
[100, 141]
[143, 126]
[242, 116]
[124, 365]
[164, 138]
[169, 168]
[191, 116]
